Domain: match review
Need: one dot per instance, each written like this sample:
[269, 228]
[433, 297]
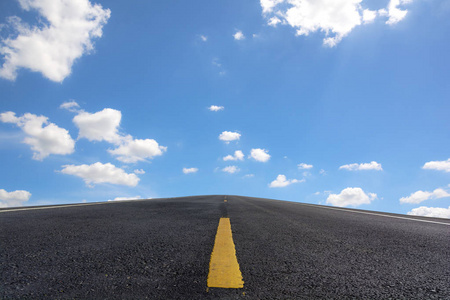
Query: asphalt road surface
[161, 249]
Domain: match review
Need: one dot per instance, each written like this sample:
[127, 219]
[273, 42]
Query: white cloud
[239, 35]
[268, 5]
[369, 15]
[438, 165]
[336, 18]
[104, 126]
[100, 126]
[394, 12]
[261, 155]
[238, 155]
[126, 198]
[12, 199]
[249, 175]
[281, 181]
[138, 150]
[373, 165]
[216, 108]
[204, 38]
[52, 47]
[72, 106]
[190, 170]
[139, 171]
[421, 196]
[44, 140]
[304, 166]
[274, 21]
[432, 212]
[101, 173]
[322, 172]
[228, 136]
[231, 169]
[216, 63]
[351, 197]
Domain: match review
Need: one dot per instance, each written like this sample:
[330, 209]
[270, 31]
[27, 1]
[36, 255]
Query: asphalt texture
[161, 248]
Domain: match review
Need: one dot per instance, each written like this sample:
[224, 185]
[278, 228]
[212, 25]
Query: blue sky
[340, 103]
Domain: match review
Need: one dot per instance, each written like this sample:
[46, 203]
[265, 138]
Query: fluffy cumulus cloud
[101, 173]
[238, 155]
[104, 126]
[216, 108]
[281, 181]
[261, 155]
[228, 136]
[239, 35]
[438, 165]
[432, 212]
[421, 196]
[138, 150]
[369, 16]
[66, 32]
[100, 126]
[190, 170]
[45, 138]
[12, 199]
[394, 12]
[373, 165]
[231, 169]
[304, 166]
[351, 197]
[336, 18]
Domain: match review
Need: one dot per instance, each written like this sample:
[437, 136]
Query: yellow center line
[224, 268]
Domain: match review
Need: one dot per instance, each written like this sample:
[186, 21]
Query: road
[161, 249]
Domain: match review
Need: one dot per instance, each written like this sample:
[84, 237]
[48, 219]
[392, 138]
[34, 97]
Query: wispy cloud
[231, 169]
[373, 165]
[303, 166]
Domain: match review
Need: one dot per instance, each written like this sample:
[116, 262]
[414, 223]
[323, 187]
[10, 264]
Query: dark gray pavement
[160, 249]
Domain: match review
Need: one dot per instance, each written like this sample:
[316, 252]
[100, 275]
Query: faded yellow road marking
[224, 268]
